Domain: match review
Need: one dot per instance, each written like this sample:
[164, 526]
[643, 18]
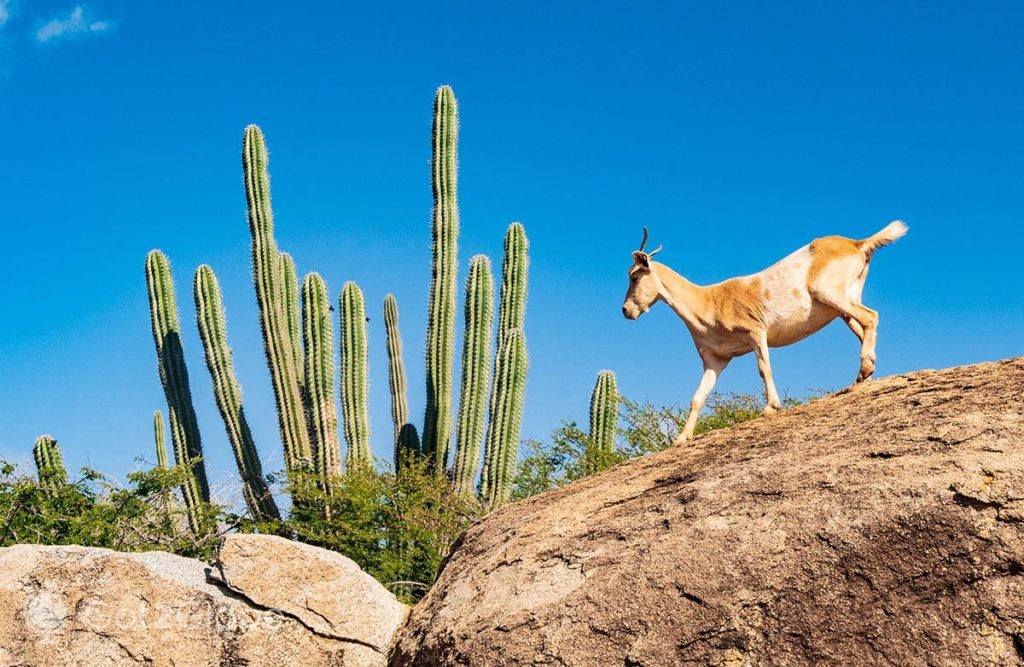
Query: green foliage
[228, 392]
[355, 412]
[188, 447]
[476, 373]
[399, 528]
[49, 464]
[93, 511]
[274, 320]
[643, 429]
[437, 419]
[604, 422]
[405, 439]
[318, 336]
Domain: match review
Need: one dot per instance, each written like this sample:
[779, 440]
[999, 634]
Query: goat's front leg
[764, 367]
[713, 367]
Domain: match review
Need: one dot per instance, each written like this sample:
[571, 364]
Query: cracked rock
[878, 526]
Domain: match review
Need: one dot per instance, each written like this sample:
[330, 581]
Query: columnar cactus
[514, 269]
[160, 439]
[405, 438]
[49, 464]
[318, 336]
[476, 373]
[437, 420]
[509, 389]
[506, 418]
[188, 447]
[277, 342]
[228, 393]
[604, 420]
[355, 414]
[290, 303]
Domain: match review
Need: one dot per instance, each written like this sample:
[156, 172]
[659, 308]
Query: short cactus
[437, 420]
[160, 440]
[188, 447]
[228, 393]
[318, 336]
[355, 416]
[604, 421]
[49, 464]
[277, 337]
[405, 438]
[476, 373]
[506, 415]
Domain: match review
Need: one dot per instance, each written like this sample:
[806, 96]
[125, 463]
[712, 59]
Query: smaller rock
[324, 590]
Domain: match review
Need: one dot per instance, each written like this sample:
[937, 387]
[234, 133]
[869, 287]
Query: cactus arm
[49, 464]
[476, 373]
[273, 320]
[354, 376]
[290, 302]
[437, 419]
[160, 439]
[318, 336]
[174, 377]
[228, 393]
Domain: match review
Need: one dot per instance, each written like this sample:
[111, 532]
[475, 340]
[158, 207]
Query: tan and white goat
[781, 305]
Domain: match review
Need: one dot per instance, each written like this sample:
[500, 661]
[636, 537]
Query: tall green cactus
[355, 415]
[228, 393]
[160, 440]
[506, 416]
[514, 270]
[509, 389]
[277, 342]
[604, 421]
[290, 302]
[437, 420]
[318, 336]
[476, 373]
[188, 447]
[49, 464]
[405, 438]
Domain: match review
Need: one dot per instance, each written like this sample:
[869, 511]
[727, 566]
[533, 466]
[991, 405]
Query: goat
[781, 305]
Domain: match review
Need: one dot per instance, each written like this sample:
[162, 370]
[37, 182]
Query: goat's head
[644, 284]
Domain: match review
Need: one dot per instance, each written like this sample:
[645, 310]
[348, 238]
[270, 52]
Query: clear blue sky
[737, 132]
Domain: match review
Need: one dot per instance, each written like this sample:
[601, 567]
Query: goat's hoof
[681, 439]
[769, 410]
[867, 369]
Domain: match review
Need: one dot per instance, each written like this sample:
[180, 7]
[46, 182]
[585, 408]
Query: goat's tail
[887, 235]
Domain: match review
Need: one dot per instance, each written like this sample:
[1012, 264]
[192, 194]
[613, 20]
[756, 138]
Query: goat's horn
[643, 243]
[655, 251]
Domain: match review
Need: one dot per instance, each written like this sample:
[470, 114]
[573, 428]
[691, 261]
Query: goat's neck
[682, 296]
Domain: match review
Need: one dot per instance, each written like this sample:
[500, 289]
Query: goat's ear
[642, 259]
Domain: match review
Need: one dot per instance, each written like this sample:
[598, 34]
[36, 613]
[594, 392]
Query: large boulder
[880, 525]
[68, 605]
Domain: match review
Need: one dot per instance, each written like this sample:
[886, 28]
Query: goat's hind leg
[863, 322]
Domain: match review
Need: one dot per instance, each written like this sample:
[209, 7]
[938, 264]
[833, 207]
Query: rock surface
[880, 525]
[68, 605]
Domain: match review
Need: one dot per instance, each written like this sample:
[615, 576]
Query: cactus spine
[405, 438]
[505, 420]
[476, 373]
[273, 318]
[354, 376]
[160, 440]
[290, 303]
[49, 464]
[318, 336]
[185, 437]
[437, 420]
[604, 420]
[228, 393]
